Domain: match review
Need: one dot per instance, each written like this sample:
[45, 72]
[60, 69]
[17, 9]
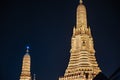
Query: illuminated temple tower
[82, 64]
[25, 74]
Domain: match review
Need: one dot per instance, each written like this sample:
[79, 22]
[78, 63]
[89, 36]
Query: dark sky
[46, 26]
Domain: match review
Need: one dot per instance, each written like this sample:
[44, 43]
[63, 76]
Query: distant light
[28, 47]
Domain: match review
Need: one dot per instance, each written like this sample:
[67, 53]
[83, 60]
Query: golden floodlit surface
[26, 74]
[82, 63]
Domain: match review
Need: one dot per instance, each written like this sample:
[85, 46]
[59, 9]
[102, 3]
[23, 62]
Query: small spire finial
[34, 77]
[81, 1]
[27, 49]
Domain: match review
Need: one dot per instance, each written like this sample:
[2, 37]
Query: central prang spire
[82, 63]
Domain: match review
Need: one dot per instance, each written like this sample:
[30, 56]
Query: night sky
[46, 26]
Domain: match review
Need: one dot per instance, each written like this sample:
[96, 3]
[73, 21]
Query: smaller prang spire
[26, 65]
[81, 1]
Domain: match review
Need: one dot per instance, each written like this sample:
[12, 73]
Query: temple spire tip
[27, 49]
[81, 1]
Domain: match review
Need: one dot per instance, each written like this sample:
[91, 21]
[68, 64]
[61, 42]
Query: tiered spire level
[25, 74]
[82, 64]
